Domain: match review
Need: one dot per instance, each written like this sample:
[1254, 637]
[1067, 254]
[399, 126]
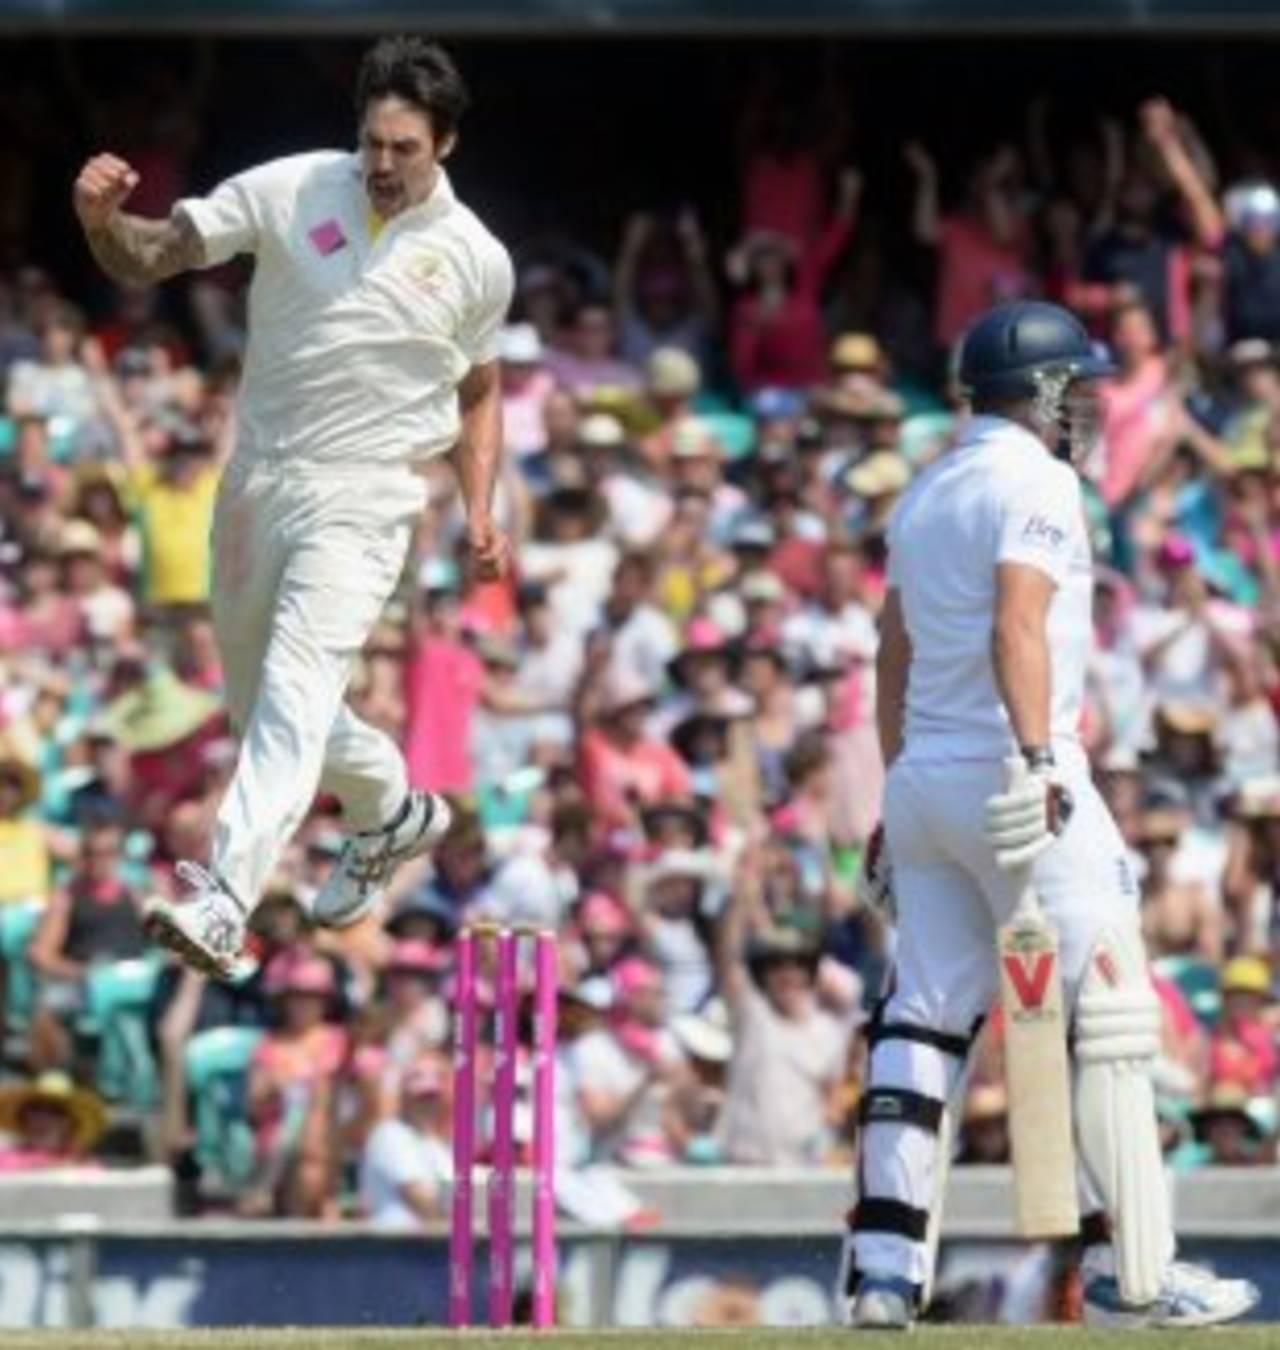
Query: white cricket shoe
[1190, 1297]
[368, 860]
[205, 929]
[883, 1304]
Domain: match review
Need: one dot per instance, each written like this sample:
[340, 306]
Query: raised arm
[1160, 125]
[744, 904]
[925, 219]
[130, 249]
[997, 199]
[118, 415]
[694, 243]
[635, 236]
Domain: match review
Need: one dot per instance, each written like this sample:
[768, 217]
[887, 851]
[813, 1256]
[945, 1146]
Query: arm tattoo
[134, 250]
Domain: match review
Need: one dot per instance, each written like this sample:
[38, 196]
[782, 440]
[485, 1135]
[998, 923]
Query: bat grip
[1027, 906]
[1028, 903]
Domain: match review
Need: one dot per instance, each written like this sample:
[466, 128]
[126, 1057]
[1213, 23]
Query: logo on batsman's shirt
[1039, 530]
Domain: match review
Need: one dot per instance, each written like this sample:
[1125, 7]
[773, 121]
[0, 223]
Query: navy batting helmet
[1009, 352]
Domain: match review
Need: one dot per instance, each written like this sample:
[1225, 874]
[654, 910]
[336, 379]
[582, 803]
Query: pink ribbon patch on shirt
[327, 237]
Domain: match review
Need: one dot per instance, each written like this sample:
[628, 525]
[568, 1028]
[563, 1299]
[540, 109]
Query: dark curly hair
[419, 72]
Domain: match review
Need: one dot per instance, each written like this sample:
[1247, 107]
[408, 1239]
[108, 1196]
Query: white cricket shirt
[356, 345]
[998, 496]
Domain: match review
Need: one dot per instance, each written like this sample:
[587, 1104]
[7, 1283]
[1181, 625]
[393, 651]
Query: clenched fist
[101, 189]
[490, 550]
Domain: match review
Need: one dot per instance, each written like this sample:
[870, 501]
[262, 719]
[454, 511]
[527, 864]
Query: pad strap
[890, 1216]
[948, 1042]
[901, 1106]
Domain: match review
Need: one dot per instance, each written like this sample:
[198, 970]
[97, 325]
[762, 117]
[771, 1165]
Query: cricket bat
[1036, 1071]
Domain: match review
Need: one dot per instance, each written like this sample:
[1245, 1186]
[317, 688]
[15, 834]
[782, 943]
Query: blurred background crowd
[659, 734]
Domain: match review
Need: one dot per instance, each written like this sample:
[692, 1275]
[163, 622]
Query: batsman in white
[985, 633]
[373, 316]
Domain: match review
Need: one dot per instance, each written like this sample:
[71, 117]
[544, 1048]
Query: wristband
[1038, 756]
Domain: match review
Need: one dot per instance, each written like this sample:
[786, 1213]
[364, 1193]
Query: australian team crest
[427, 271]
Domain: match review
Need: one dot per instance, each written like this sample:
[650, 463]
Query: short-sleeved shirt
[176, 524]
[356, 344]
[397, 1156]
[617, 779]
[998, 497]
[781, 1071]
[598, 1061]
[25, 865]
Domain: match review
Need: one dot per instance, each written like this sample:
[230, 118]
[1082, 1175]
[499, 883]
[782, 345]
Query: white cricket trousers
[951, 897]
[303, 563]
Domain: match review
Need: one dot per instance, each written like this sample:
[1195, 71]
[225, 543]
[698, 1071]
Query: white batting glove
[1026, 818]
[875, 876]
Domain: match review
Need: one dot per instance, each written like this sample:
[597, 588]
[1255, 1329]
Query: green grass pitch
[1254, 1337]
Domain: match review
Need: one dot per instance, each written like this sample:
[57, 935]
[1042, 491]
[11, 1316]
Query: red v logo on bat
[1029, 977]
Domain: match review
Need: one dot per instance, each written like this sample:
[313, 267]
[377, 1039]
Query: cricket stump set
[501, 1192]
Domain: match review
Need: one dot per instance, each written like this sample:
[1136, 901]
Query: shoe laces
[1183, 1274]
[367, 861]
[208, 887]
[368, 858]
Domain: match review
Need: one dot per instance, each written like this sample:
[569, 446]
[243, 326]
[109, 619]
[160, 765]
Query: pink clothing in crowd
[786, 347]
[974, 273]
[1245, 1053]
[522, 425]
[617, 781]
[1133, 416]
[442, 688]
[784, 194]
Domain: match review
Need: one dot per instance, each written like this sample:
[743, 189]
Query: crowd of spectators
[659, 733]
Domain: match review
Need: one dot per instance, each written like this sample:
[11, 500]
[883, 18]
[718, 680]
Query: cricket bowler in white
[373, 317]
[986, 629]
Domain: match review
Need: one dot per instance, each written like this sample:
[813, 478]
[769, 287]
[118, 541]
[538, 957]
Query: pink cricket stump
[502, 1175]
[461, 1235]
[544, 1145]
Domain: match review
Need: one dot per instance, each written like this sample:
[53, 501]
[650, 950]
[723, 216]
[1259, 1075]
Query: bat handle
[1015, 771]
[1028, 903]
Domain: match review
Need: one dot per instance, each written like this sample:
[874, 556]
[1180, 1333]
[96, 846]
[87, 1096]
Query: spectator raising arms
[982, 249]
[674, 683]
[1137, 258]
[789, 1054]
[776, 333]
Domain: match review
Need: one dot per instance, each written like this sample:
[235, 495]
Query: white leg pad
[905, 1162]
[1117, 1038]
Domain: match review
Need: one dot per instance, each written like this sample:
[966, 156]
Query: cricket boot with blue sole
[1190, 1296]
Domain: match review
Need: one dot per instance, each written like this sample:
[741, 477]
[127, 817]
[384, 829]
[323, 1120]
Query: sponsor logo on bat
[1029, 975]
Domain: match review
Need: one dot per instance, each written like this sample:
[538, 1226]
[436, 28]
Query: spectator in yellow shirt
[24, 849]
[173, 498]
[173, 471]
